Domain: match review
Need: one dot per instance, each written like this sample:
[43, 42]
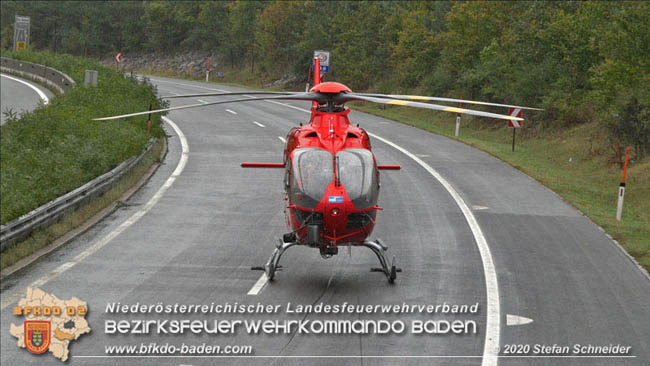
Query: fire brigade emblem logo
[37, 335]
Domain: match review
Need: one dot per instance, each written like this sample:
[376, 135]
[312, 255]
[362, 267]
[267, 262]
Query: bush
[57, 148]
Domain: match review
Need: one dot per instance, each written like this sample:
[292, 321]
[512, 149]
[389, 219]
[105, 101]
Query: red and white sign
[118, 57]
[515, 112]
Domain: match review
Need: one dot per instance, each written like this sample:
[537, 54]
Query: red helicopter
[331, 175]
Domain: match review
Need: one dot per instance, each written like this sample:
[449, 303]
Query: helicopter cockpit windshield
[312, 172]
[358, 174]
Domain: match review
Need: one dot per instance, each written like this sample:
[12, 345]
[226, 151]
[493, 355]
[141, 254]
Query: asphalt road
[516, 249]
[18, 97]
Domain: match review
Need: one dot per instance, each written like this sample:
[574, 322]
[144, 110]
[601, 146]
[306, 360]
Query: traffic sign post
[515, 112]
[460, 105]
[207, 71]
[21, 33]
[324, 57]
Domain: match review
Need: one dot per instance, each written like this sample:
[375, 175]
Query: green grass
[43, 237]
[57, 148]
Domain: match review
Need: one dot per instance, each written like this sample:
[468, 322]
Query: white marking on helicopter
[38, 91]
[259, 285]
[282, 139]
[517, 320]
[259, 124]
[493, 322]
[231, 111]
[478, 208]
[120, 229]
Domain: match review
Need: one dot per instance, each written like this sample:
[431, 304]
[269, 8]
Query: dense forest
[580, 61]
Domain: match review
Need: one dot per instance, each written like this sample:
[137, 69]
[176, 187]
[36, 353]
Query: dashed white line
[190, 85]
[125, 225]
[202, 101]
[259, 124]
[282, 139]
[259, 285]
[231, 111]
[288, 106]
[479, 208]
[38, 91]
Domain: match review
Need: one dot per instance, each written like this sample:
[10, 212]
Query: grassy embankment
[57, 148]
[575, 162]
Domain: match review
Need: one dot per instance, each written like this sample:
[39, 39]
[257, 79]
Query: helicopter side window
[311, 173]
[358, 174]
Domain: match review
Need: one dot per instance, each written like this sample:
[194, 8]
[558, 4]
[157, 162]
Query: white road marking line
[38, 91]
[492, 327]
[113, 234]
[202, 101]
[288, 106]
[517, 320]
[259, 285]
[191, 86]
[493, 323]
[259, 124]
[478, 208]
[231, 111]
[282, 139]
[422, 155]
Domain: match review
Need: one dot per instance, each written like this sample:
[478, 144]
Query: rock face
[191, 64]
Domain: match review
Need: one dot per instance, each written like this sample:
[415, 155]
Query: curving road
[20, 95]
[465, 227]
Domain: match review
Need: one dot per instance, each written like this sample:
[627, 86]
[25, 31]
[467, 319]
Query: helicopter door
[358, 174]
[312, 171]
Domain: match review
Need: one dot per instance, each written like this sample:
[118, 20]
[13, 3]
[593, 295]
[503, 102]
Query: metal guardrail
[52, 211]
[44, 74]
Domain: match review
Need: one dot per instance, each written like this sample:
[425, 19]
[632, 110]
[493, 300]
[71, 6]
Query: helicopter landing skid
[380, 251]
[271, 265]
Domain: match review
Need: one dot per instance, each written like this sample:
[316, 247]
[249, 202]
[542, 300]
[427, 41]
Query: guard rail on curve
[55, 78]
[52, 211]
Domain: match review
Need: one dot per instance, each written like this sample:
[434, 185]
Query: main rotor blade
[227, 94]
[303, 96]
[351, 97]
[437, 99]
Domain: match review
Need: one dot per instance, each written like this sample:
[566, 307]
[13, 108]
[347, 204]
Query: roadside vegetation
[585, 63]
[573, 162]
[57, 148]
